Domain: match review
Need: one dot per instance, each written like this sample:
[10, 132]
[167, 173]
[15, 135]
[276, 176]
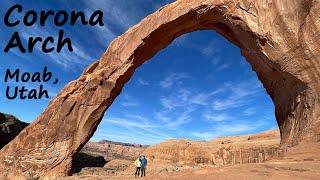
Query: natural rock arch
[278, 38]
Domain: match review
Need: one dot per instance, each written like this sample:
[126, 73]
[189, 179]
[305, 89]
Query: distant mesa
[121, 143]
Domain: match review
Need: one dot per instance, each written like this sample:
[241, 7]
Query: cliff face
[219, 152]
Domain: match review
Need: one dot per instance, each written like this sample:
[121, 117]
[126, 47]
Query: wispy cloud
[171, 79]
[129, 101]
[250, 111]
[181, 102]
[217, 117]
[240, 94]
[183, 118]
[223, 66]
[237, 127]
[138, 129]
[173, 120]
[204, 135]
[143, 82]
[216, 60]
[128, 123]
[130, 135]
[212, 49]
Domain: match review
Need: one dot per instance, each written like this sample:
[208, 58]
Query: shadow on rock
[10, 127]
[83, 160]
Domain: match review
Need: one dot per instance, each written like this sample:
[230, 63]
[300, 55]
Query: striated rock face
[279, 38]
[114, 150]
[10, 127]
[172, 154]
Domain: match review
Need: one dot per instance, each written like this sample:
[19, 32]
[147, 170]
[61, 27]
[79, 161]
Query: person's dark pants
[143, 171]
[137, 171]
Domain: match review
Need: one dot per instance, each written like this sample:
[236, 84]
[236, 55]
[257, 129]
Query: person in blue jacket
[144, 163]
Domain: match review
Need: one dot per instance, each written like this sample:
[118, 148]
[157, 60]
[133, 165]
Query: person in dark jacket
[144, 163]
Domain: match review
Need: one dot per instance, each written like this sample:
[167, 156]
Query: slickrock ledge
[279, 38]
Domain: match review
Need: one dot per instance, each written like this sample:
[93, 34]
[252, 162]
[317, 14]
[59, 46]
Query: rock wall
[220, 152]
[205, 156]
[279, 38]
[227, 156]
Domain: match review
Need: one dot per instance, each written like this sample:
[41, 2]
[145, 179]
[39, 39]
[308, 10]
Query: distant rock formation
[10, 127]
[114, 150]
[122, 143]
[222, 151]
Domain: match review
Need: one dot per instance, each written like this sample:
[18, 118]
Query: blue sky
[199, 87]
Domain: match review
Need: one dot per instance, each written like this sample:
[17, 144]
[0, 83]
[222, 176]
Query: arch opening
[197, 75]
[195, 91]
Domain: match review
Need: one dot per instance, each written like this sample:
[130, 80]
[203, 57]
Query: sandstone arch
[277, 37]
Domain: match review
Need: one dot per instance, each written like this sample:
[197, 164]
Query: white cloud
[130, 135]
[183, 118]
[123, 13]
[240, 94]
[214, 48]
[173, 78]
[184, 97]
[217, 117]
[180, 103]
[135, 129]
[204, 135]
[128, 123]
[210, 50]
[250, 111]
[143, 82]
[223, 66]
[200, 98]
[129, 101]
[173, 120]
[216, 60]
[236, 128]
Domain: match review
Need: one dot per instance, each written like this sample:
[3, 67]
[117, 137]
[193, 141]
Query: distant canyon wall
[219, 152]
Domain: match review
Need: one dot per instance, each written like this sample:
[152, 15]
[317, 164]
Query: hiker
[138, 165]
[144, 163]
